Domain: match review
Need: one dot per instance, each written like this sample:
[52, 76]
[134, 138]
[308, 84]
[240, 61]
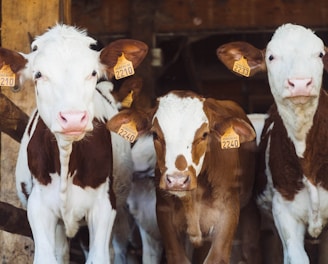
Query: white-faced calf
[64, 170]
[204, 173]
[293, 183]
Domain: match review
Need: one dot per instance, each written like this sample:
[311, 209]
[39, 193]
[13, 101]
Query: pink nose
[73, 121]
[178, 182]
[300, 86]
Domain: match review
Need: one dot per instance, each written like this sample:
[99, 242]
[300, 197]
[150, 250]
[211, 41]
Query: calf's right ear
[15, 60]
[242, 58]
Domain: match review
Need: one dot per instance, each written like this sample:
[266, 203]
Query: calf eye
[321, 55]
[271, 58]
[205, 135]
[155, 136]
[34, 48]
[37, 75]
[94, 73]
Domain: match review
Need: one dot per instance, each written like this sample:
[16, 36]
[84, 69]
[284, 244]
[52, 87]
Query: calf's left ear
[133, 50]
[244, 130]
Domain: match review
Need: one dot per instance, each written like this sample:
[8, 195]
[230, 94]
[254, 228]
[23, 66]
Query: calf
[293, 186]
[201, 183]
[64, 171]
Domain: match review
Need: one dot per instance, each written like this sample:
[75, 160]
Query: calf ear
[235, 52]
[12, 58]
[129, 92]
[140, 121]
[133, 50]
[242, 128]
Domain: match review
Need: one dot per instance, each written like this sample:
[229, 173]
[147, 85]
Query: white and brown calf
[293, 183]
[200, 186]
[65, 166]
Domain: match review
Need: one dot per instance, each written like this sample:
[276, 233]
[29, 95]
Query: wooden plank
[213, 15]
[172, 16]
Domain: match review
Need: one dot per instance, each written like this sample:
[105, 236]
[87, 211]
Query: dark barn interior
[187, 34]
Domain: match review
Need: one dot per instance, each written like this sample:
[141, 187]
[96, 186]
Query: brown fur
[96, 146]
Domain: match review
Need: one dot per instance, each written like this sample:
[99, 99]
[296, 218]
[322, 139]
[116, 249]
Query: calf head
[183, 125]
[293, 59]
[65, 70]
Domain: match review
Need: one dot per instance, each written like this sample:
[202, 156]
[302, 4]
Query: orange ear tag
[7, 76]
[241, 67]
[128, 131]
[127, 101]
[230, 139]
[123, 68]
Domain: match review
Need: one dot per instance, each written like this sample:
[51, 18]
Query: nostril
[291, 83]
[186, 180]
[309, 82]
[62, 118]
[168, 179]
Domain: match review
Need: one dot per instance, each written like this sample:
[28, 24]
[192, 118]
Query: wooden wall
[113, 17]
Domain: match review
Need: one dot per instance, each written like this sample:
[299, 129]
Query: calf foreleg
[100, 223]
[291, 231]
[43, 224]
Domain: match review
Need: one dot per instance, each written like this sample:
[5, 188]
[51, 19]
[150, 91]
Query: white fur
[179, 119]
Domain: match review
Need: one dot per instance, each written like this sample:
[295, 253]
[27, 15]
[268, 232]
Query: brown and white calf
[65, 167]
[293, 183]
[201, 185]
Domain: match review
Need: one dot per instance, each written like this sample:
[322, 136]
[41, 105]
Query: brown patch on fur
[200, 143]
[315, 163]
[181, 163]
[91, 157]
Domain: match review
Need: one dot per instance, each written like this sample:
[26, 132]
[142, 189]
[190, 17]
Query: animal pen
[181, 35]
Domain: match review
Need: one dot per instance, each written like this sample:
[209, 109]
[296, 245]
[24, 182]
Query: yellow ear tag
[7, 76]
[128, 131]
[127, 101]
[230, 139]
[241, 66]
[123, 68]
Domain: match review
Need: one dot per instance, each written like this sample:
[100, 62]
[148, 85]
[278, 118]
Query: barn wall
[19, 19]
[112, 17]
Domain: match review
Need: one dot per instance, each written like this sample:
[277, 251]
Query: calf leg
[291, 232]
[222, 241]
[152, 248]
[61, 244]
[100, 222]
[43, 224]
[121, 232]
[173, 242]
[250, 233]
